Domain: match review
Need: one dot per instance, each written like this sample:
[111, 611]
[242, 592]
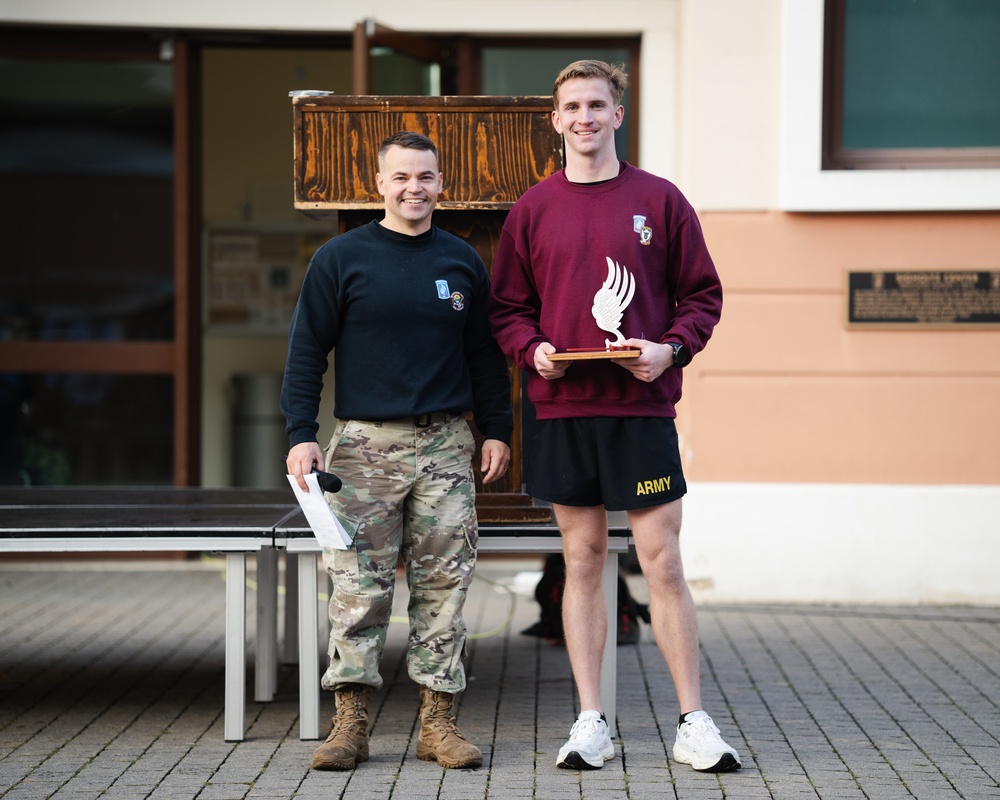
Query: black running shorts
[621, 462]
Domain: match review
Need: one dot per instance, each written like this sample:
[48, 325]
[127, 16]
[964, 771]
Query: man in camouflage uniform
[402, 306]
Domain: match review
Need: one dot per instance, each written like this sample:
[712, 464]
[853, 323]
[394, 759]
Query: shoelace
[440, 719]
[442, 726]
[342, 724]
[582, 727]
[352, 712]
[703, 725]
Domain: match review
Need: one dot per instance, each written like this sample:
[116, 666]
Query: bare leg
[674, 619]
[585, 548]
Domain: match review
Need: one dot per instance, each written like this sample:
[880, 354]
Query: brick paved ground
[111, 686]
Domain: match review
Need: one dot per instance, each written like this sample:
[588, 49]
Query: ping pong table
[163, 519]
[296, 538]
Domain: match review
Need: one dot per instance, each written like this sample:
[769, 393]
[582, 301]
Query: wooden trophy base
[580, 353]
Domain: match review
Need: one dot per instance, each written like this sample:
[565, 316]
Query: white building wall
[842, 543]
[730, 104]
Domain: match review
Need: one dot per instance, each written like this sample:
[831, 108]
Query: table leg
[236, 642]
[609, 661]
[290, 646]
[308, 648]
[266, 672]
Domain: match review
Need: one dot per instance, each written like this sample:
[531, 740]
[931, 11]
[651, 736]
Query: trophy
[610, 303]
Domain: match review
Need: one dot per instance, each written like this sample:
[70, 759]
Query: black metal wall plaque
[932, 298]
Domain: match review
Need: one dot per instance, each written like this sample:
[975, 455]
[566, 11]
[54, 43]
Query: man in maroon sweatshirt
[606, 257]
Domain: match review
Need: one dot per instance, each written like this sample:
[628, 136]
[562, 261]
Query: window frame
[806, 186]
[837, 157]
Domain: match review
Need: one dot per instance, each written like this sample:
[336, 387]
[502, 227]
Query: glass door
[88, 329]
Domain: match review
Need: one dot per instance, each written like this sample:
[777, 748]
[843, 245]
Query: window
[807, 186]
[86, 182]
[911, 83]
[89, 369]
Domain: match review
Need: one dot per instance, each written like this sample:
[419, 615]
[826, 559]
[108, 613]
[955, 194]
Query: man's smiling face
[409, 181]
[587, 116]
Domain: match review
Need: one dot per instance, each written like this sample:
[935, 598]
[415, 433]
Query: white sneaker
[699, 744]
[589, 744]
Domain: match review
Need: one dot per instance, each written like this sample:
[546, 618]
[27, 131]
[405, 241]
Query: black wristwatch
[681, 355]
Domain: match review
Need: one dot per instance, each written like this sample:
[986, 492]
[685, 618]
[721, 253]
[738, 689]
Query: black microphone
[328, 482]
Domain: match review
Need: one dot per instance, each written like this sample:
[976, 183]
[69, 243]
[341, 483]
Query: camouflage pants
[408, 491]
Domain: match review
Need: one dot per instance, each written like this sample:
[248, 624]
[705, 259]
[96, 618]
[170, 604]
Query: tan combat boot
[347, 744]
[440, 739]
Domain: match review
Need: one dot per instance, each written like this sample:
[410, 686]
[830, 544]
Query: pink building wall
[787, 392]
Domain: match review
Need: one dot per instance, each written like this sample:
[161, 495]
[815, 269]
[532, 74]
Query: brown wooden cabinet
[491, 150]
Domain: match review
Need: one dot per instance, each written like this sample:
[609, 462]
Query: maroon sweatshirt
[553, 257]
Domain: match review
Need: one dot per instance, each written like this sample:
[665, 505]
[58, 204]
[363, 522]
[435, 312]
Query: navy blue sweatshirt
[406, 320]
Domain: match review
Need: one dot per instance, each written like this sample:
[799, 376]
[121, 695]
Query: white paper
[324, 523]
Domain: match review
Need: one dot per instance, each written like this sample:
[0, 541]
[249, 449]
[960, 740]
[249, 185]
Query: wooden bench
[523, 537]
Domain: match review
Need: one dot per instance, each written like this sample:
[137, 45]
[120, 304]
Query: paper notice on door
[324, 523]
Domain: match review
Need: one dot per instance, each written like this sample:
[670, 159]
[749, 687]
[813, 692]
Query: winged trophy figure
[611, 301]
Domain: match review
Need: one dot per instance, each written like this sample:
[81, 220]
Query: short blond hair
[614, 74]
